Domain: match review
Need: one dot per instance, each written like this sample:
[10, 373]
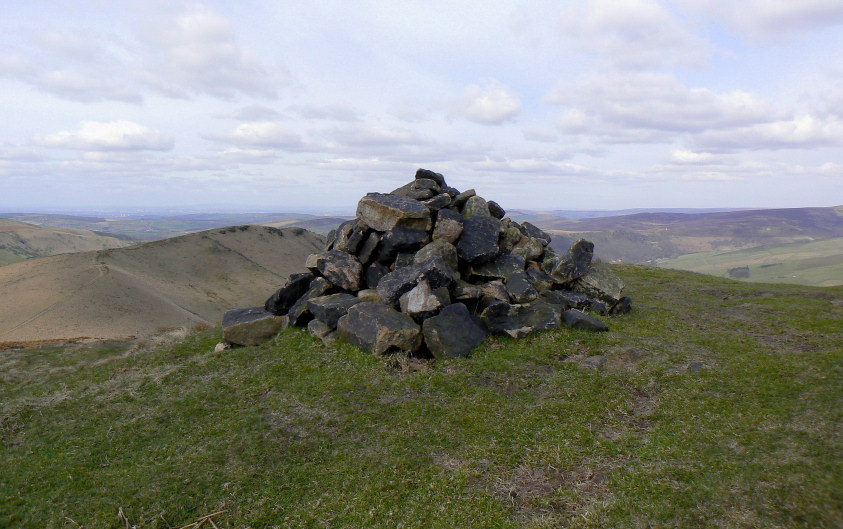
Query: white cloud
[682, 156]
[195, 50]
[327, 112]
[72, 65]
[238, 155]
[802, 132]
[110, 136]
[648, 107]
[539, 134]
[633, 33]
[374, 136]
[771, 18]
[490, 104]
[260, 134]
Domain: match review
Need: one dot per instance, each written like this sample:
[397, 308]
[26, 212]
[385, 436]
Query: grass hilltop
[713, 404]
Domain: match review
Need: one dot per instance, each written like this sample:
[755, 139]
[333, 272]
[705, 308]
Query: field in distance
[817, 263]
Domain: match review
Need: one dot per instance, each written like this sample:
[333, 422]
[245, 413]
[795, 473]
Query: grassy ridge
[719, 405]
[815, 263]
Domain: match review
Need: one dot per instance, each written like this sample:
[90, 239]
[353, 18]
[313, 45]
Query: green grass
[9, 257]
[814, 263]
[292, 434]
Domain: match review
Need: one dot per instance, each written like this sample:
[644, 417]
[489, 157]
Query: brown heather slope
[135, 291]
[21, 240]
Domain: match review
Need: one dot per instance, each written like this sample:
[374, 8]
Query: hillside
[816, 263]
[644, 237]
[186, 280]
[20, 241]
[713, 404]
[148, 227]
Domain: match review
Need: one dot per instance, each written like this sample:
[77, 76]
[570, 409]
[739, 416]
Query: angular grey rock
[566, 299]
[438, 248]
[448, 226]
[511, 236]
[436, 177]
[349, 240]
[597, 307]
[530, 248]
[442, 200]
[394, 284]
[580, 320]
[479, 240]
[419, 189]
[250, 326]
[461, 199]
[475, 206]
[423, 302]
[330, 239]
[519, 320]
[299, 314]
[495, 289]
[498, 268]
[312, 262]
[452, 333]
[369, 294]
[403, 259]
[329, 309]
[367, 250]
[571, 266]
[599, 282]
[530, 230]
[374, 273]
[400, 240]
[319, 329]
[383, 212]
[495, 209]
[341, 233]
[464, 290]
[285, 297]
[539, 279]
[519, 288]
[379, 329]
[623, 306]
[341, 269]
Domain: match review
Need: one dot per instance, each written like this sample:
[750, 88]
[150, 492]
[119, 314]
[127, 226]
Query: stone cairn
[430, 270]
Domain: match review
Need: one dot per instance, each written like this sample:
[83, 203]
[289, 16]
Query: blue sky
[306, 106]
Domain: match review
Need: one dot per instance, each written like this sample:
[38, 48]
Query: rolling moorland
[118, 293]
[20, 241]
[714, 403]
[696, 240]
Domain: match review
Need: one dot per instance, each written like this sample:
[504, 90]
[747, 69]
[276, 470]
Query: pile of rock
[431, 270]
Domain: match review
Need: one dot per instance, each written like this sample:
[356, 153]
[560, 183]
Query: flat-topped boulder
[377, 328]
[453, 332]
[251, 326]
[383, 212]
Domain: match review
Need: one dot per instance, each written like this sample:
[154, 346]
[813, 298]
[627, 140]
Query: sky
[292, 106]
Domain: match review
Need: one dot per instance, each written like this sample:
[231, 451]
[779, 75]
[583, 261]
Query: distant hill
[646, 237]
[185, 280]
[20, 241]
[815, 263]
[157, 227]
